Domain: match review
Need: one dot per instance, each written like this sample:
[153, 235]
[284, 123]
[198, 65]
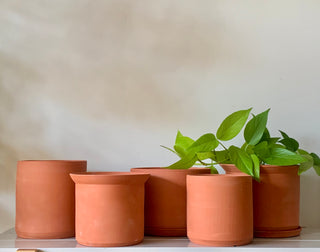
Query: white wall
[109, 81]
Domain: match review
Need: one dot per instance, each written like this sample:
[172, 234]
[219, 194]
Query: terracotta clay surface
[109, 208]
[165, 206]
[276, 200]
[219, 209]
[45, 204]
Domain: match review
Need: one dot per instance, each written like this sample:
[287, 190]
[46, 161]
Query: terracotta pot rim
[167, 169]
[219, 175]
[217, 178]
[109, 177]
[52, 160]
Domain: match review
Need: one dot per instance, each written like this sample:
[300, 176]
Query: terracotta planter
[45, 204]
[219, 209]
[109, 208]
[165, 206]
[275, 200]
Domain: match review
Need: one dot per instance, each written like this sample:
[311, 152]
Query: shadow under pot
[276, 200]
[45, 198]
[219, 209]
[109, 208]
[165, 200]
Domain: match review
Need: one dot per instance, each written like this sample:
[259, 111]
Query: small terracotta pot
[45, 204]
[275, 200]
[165, 201]
[109, 208]
[219, 209]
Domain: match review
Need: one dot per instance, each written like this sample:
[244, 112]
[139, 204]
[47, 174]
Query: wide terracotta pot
[109, 208]
[45, 202]
[219, 209]
[165, 206]
[276, 201]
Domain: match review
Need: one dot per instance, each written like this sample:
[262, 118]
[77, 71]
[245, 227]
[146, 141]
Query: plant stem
[223, 146]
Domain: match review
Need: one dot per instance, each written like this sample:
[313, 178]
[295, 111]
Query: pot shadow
[309, 200]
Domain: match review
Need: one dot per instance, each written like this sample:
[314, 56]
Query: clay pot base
[278, 233]
[220, 243]
[25, 235]
[166, 231]
[109, 244]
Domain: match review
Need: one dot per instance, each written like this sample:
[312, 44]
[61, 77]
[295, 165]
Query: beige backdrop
[109, 81]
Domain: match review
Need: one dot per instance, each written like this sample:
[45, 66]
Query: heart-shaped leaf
[182, 143]
[242, 160]
[281, 156]
[316, 163]
[255, 128]
[256, 167]
[290, 143]
[206, 142]
[305, 165]
[185, 162]
[232, 125]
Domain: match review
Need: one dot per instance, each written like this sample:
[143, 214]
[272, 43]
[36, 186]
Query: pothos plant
[258, 147]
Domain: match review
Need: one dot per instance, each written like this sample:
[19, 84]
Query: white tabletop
[309, 240]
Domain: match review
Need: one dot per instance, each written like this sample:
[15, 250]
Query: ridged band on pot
[165, 206]
[109, 208]
[219, 209]
[276, 200]
[45, 198]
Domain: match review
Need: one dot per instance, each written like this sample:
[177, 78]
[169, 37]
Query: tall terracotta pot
[219, 209]
[45, 204]
[109, 208]
[276, 200]
[165, 207]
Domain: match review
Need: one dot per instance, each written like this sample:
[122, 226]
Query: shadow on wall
[309, 200]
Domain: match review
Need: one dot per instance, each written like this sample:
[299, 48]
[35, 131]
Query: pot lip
[108, 177]
[220, 175]
[105, 173]
[51, 160]
[167, 169]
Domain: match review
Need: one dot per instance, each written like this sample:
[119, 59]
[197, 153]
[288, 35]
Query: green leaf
[206, 142]
[284, 135]
[290, 143]
[262, 150]
[265, 135]
[169, 149]
[255, 128]
[303, 152]
[281, 156]
[182, 143]
[242, 160]
[221, 157]
[316, 163]
[213, 170]
[316, 158]
[305, 165]
[205, 155]
[256, 167]
[232, 125]
[273, 140]
[185, 162]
